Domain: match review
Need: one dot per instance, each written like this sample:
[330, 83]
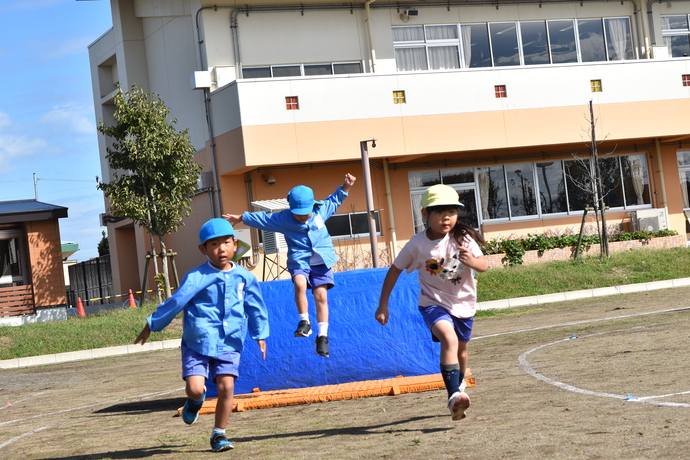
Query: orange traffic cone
[80, 307]
[132, 303]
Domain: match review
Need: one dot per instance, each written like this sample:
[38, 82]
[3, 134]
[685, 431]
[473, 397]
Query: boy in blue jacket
[219, 299]
[311, 254]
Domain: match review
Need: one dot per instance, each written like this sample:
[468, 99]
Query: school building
[491, 97]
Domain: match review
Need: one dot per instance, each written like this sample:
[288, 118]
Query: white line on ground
[29, 433]
[144, 396]
[526, 367]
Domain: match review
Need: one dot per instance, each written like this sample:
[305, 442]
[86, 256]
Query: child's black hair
[460, 230]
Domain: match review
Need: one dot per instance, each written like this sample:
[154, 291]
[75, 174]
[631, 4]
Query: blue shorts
[194, 363]
[462, 326]
[317, 275]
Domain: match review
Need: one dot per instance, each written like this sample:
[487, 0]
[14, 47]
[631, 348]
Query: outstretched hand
[348, 182]
[143, 335]
[262, 347]
[234, 219]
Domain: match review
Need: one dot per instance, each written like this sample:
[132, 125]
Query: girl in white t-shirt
[444, 255]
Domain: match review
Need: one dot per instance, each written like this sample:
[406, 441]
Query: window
[461, 179]
[591, 37]
[291, 103]
[500, 91]
[530, 190]
[399, 97]
[504, 45]
[562, 41]
[686, 80]
[619, 38]
[298, 70]
[496, 44]
[426, 47]
[534, 44]
[476, 51]
[11, 262]
[352, 225]
[595, 85]
[676, 33]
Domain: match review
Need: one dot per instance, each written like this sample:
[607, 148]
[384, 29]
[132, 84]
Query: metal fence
[89, 280]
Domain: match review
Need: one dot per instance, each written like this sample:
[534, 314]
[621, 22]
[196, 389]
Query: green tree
[154, 173]
[103, 245]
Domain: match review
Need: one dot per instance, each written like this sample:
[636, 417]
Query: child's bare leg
[321, 300]
[463, 356]
[300, 283]
[226, 391]
[195, 386]
[445, 332]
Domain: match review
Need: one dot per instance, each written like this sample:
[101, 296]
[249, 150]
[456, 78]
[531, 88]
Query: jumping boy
[444, 255]
[310, 250]
[218, 299]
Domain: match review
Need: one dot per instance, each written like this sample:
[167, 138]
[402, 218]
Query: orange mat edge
[352, 390]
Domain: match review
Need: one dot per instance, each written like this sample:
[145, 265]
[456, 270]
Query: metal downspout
[254, 260]
[645, 28]
[367, 19]
[391, 214]
[217, 204]
[661, 176]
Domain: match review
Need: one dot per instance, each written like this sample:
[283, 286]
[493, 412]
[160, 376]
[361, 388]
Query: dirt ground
[597, 378]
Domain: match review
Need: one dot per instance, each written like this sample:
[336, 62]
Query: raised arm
[234, 219]
[348, 182]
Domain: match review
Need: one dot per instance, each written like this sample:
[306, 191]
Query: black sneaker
[303, 329]
[322, 346]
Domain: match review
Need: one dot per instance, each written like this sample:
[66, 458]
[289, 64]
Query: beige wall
[45, 258]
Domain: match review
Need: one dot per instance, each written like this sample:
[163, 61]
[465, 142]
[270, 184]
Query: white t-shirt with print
[444, 280]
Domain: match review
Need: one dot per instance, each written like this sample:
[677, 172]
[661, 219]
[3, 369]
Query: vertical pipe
[370, 204]
[391, 214]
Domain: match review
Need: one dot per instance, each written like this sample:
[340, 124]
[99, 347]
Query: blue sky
[47, 120]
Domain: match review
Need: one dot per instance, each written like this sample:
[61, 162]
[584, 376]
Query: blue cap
[215, 228]
[301, 199]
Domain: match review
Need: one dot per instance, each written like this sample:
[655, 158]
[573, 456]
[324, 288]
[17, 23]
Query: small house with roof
[32, 280]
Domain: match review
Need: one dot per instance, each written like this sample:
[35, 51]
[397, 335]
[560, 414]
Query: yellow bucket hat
[440, 195]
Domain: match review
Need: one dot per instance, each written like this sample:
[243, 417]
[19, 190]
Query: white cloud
[17, 148]
[5, 120]
[69, 118]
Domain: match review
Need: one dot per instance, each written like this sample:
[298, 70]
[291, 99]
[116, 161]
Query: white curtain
[410, 59]
[618, 37]
[466, 45]
[443, 57]
[666, 25]
[684, 189]
[637, 179]
[417, 221]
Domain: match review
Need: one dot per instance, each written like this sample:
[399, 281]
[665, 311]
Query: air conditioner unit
[649, 220]
[205, 180]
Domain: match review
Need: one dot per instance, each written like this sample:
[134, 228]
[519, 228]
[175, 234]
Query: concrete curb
[491, 305]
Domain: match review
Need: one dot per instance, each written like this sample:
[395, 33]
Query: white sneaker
[458, 404]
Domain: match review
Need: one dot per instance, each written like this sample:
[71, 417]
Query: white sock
[323, 329]
[304, 317]
[218, 430]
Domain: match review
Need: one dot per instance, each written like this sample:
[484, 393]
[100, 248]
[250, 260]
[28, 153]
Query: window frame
[352, 235]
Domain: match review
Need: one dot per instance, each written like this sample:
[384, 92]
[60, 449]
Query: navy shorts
[462, 326]
[317, 275]
[194, 363]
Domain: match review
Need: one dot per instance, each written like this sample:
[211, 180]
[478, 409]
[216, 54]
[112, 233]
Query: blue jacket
[302, 239]
[218, 305]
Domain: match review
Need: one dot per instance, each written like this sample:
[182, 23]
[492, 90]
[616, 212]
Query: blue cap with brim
[215, 228]
[301, 199]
